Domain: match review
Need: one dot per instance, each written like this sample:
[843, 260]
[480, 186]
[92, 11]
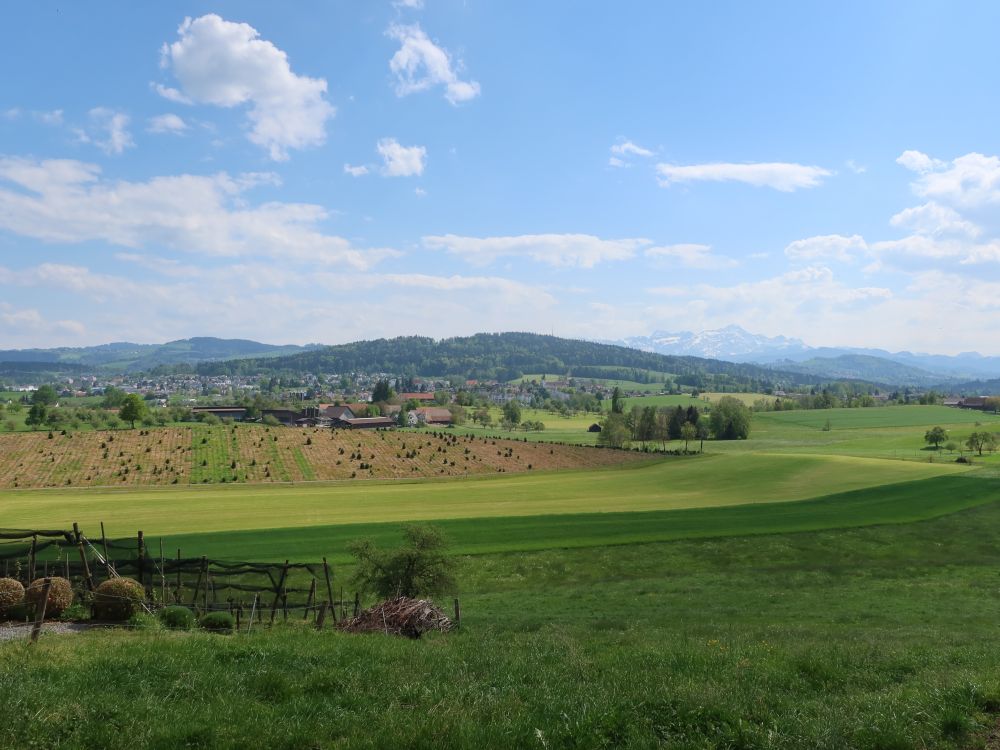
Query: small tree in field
[935, 436]
[133, 408]
[980, 441]
[421, 566]
[688, 433]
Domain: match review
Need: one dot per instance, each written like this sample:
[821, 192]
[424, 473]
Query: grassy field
[869, 638]
[667, 483]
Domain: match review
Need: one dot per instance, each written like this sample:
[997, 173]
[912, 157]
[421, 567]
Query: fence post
[278, 590]
[30, 572]
[107, 557]
[357, 604]
[141, 544]
[458, 613]
[322, 615]
[309, 600]
[40, 613]
[329, 585]
[204, 567]
[83, 557]
[253, 611]
[194, 594]
[177, 590]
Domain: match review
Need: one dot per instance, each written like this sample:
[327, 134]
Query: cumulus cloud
[934, 219]
[227, 64]
[419, 65]
[168, 123]
[401, 161]
[781, 176]
[917, 161]
[690, 255]
[68, 201]
[567, 250]
[969, 182]
[355, 171]
[827, 247]
[108, 130]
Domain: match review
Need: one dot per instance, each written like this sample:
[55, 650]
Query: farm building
[236, 413]
[364, 423]
[429, 415]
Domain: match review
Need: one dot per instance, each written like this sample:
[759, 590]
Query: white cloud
[827, 247]
[12, 113]
[170, 94]
[917, 161]
[357, 171]
[108, 130]
[934, 219]
[622, 150]
[855, 167]
[411, 4]
[419, 192]
[970, 181]
[68, 202]
[690, 255]
[777, 175]
[168, 123]
[401, 161]
[579, 250]
[52, 117]
[227, 64]
[25, 326]
[419, 64]
[628, 148]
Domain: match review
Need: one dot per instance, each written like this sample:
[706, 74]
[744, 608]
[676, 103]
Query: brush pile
[403, 616]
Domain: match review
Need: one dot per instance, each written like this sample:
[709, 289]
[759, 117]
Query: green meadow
[797, 589]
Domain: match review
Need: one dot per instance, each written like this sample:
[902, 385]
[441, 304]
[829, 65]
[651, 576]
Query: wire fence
[202, 583]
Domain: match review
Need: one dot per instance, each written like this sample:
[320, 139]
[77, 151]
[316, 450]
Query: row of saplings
[116, 600]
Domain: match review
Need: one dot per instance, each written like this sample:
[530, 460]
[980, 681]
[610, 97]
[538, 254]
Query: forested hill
[505, 356]
[136, 357]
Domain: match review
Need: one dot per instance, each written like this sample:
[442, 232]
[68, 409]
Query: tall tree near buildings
[512, 412]
[36, 415]
[382, 391]
[617, 405]
[45, 395]
[133, 408]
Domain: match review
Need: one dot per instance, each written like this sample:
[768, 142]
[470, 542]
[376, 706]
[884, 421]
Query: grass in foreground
[869, 638]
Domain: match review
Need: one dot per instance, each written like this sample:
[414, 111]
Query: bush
[117, 599]
[144, 621]
[421, 566]
[75, 613]
[218, 622]
[60, 596]
[11, 594]
[177, 617]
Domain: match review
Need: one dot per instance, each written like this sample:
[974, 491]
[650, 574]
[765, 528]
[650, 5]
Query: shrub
[218, 622]
[421, 566]
[11, 594]
[117, 599]
[60, 595]
[144, 621]
[75, 613]
[177, 617]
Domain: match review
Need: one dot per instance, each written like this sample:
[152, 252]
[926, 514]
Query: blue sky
[342, 171]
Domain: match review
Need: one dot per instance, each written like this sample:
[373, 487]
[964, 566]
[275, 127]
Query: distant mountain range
[735, 344]
[124, 356]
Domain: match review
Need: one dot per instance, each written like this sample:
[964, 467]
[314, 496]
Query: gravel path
[17, 631]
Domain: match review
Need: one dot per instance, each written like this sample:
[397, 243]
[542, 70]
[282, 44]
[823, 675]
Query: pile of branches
[403, 616]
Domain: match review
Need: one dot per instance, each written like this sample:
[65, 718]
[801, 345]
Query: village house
[429, 415]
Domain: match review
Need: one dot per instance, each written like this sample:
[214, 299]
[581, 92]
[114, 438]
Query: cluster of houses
[342, 416]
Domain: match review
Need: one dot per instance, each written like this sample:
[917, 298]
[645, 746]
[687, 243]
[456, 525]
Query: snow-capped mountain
[736, 344]
[731, 343]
